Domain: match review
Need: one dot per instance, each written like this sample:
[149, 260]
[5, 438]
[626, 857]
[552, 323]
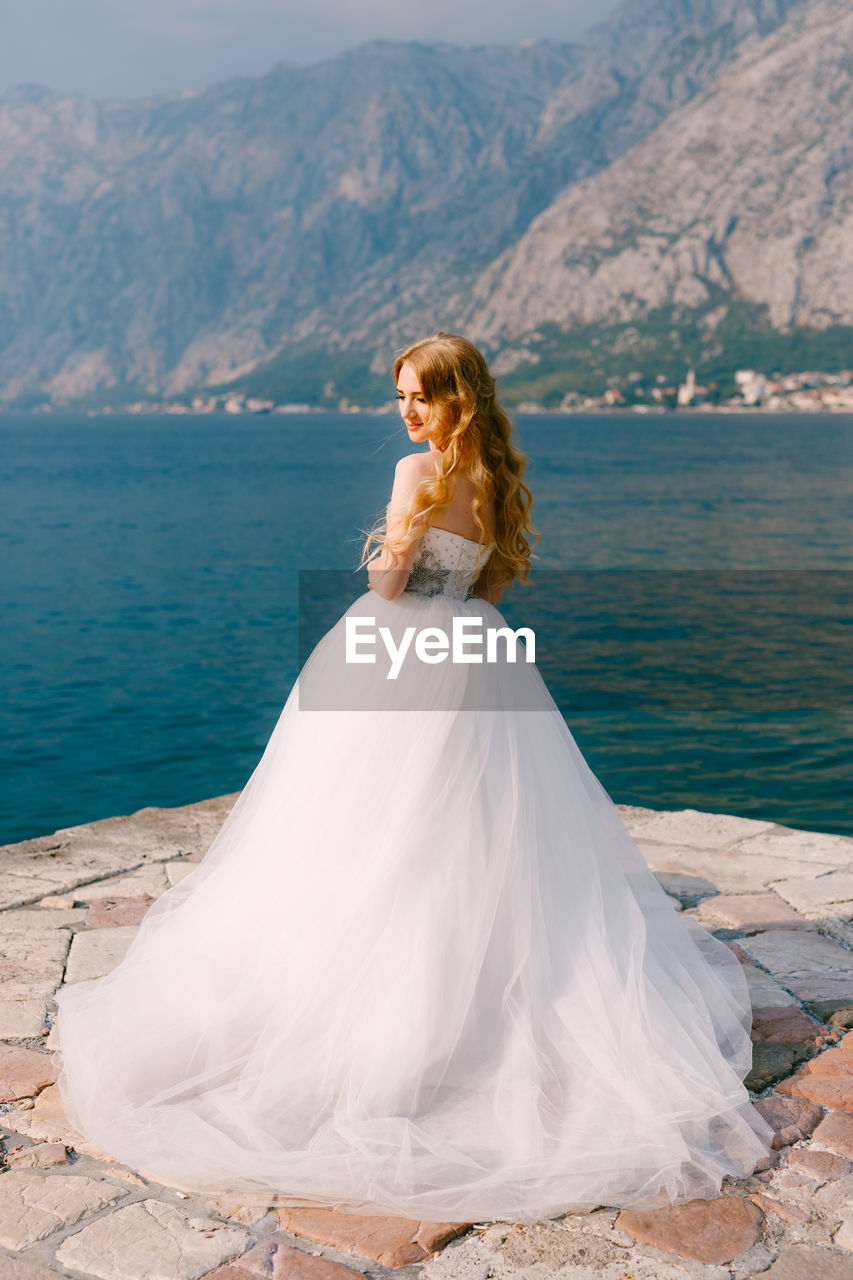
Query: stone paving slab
[764, 991]
[808, 965]
[785, 1024]
[151, 1240]
[178, 871]
[727, 870]
[45, 1121]
[696, 829]
[23, 1072]
[117, 911]
[96, 952]
[281, 1262]
[14, 1267]
[392, 1241]
[21, 1018]
[835, 1132]
[839, 928]
[27, 919]
[705, 1230]
[39, 1155]
[792, 1119]
[246, 1215]
[32, 960]
[688, 889]
[33, 1206]
[77, 855]
[777, 896]
[149, 881]
[830, 894]
[752, 912]
[789, 843]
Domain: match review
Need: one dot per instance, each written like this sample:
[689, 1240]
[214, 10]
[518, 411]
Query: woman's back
[458, 515]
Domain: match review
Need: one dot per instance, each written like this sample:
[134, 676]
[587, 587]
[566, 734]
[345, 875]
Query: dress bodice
[446, 565]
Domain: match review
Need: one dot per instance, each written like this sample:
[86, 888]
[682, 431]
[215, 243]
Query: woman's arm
[387, 574]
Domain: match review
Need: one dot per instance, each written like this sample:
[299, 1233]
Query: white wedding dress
[423, 969]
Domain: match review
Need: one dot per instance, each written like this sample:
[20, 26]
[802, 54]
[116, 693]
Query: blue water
[692, 600]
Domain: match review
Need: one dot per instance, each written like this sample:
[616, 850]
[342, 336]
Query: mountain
[158, 244]
[287, 232]
[743, 195]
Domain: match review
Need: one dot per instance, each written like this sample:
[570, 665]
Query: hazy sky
[130, 48]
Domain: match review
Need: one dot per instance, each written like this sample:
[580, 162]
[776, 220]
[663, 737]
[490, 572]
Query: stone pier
[781, 898]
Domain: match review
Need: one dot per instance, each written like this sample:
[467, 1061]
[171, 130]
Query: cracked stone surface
[149, 881]
[33, 1206]
[151, 1240]
[32, 956]
[92, 851]
[777, 896]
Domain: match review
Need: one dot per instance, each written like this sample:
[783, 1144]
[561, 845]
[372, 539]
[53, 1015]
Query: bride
[423, 969]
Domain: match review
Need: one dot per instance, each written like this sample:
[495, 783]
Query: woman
[423, 969]
[471, 469]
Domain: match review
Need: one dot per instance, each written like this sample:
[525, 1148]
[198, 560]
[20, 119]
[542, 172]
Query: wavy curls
[473, 436]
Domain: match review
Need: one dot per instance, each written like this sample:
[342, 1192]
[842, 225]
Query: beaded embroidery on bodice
[445, 565]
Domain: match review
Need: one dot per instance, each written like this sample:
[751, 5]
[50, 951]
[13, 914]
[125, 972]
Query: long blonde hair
[472, 434]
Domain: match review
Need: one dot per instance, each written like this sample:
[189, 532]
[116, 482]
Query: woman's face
[414, 409]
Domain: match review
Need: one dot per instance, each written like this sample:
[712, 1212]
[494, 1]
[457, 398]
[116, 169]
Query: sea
[691, 593]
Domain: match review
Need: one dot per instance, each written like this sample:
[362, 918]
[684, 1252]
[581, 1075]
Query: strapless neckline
[436, 528]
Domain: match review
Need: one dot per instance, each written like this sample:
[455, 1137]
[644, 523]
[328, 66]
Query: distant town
[809, 392]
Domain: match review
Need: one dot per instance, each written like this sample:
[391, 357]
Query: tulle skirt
[422, 970]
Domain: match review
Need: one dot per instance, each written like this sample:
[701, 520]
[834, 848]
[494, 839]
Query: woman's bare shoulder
[408, 474]
[412, 463]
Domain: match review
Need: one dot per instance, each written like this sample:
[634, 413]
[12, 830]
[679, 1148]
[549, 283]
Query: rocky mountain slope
[154, 247]
[746, 192]
[163, 243]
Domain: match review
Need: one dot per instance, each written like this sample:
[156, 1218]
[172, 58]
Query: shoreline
[526, 411]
